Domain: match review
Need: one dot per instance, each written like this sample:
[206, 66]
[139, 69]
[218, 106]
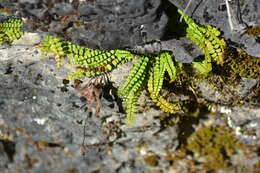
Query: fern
[149, 71]
[162, 63]
[90, 62]
[56, 47]
[155, 81]
[130, 104]
[207, 38]
[166, 106]
[133, 86]
[172, 67]
[10, 29]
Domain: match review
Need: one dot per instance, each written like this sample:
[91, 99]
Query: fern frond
[204, 66]
[208, 39]
[156, 78]
[76, 74]
[92, 62]
[85, 57]
[134, 84]
[85, 72]
[10, 29]
[165, 105]
[92, 59]
[130, 104]
[55, 46]
[172, 67]
[136, 77]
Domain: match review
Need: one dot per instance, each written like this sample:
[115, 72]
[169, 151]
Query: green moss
[215, 144]
[254, 32]
[238, 62]
[78, 23]
[151, 160]
[6, 11]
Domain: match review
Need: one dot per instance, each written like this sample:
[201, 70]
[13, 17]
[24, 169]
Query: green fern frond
[172, 67]
[208, 39]
[92, 59]
[92, 62]
[130, 104]
[76, 74]
[156, 79]
[202, 66]
[10, 29]
[135, 83]
[55, 46]
[85, 57]
[85, 72]
[165, 105]
[136, 77]
[100, 62]
[162, 63]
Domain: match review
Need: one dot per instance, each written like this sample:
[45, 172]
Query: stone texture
[43, 120]
[98, 24]
[214, 12]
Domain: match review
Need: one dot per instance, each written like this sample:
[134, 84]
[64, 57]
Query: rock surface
[45, 120]
[46, 125]
[214, 12]
[120, 24]
[98, 24]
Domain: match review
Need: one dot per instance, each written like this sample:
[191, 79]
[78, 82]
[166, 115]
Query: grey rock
[29, 1]
[183, 49]
[62, 9]
[245, 122]
[103, 24]
[214, 12]
[247, 86]
[48, 123]
[3, 155]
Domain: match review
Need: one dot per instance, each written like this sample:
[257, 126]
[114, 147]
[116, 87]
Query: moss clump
[215, 144]
[151, 160]
[238, 62]
[6, 11]
[254, 32]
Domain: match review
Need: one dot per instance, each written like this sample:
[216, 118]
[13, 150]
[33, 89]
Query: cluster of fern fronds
[149, 70]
